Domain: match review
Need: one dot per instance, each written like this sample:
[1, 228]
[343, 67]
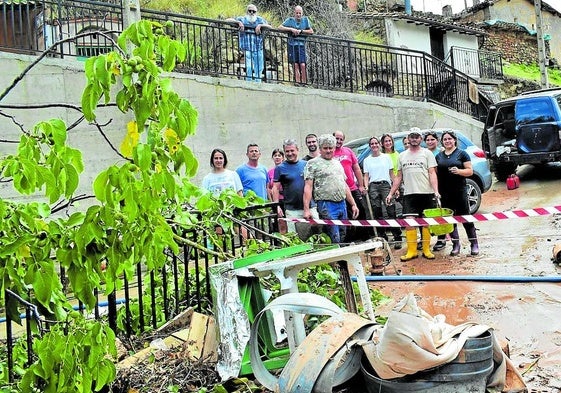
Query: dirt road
[527, 314]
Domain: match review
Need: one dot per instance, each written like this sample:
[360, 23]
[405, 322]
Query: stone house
[511, 26]
[456, 43]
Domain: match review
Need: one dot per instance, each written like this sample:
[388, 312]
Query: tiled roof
[419, 18]
[10, 2]
[552, 7]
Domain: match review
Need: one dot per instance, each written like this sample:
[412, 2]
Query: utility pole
[131, 12]
[542, 58]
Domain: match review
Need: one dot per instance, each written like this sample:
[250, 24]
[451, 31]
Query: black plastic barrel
[467, 373]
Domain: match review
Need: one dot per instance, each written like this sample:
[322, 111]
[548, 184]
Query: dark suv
[523, 130]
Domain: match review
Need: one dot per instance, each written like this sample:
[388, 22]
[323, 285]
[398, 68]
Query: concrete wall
[232, 113]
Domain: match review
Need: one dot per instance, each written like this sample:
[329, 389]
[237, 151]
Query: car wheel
[473, 195]
[504, 170]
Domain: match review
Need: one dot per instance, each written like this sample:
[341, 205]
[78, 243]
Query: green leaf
[43, 284]
[90, 98]
[57, 130]
[100, 71]
[106, 373]
[100, 184]
[89, 68]
[143, 156]
[72, 180]
[143, 110]
[122, 102]
[75, 219]
[181, 51]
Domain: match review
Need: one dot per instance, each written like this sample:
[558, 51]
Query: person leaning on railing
[251, 42]
[298, 27]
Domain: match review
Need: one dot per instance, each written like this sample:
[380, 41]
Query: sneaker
[397, 245]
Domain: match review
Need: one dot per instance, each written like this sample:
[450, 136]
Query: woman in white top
[378, 174]
[220, 178]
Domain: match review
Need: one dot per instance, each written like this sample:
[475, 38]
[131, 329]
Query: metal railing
[26, 315]
[32, 26]
[480, 64]
[148, 300]
[213, 49]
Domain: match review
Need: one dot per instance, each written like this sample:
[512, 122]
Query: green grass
[367, 37]
[216, 9]
[531, 72]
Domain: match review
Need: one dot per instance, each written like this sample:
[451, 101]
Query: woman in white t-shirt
[220, 178]
[378, 176]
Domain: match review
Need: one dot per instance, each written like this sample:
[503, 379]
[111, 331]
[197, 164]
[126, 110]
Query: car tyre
[473, 196]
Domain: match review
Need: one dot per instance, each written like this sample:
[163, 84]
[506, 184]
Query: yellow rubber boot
[411, 238]
[425, 235]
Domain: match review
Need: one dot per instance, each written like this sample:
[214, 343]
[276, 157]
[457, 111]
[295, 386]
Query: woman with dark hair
[454, 166]
[431, 140]
[220, 178]
[278, 156]
[378, 178]
[388, 147]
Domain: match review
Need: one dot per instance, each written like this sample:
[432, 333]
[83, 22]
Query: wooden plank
[195, 342]
[210, 351]
[181, 320]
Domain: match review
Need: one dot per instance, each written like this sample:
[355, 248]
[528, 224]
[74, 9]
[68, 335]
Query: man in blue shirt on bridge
[298, 27]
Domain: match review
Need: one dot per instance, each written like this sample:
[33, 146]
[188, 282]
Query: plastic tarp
[413, 341]
[493, 22]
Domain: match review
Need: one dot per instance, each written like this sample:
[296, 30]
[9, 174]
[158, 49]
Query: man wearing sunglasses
[251, 41]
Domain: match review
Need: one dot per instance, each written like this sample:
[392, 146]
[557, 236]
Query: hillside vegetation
[531, 73]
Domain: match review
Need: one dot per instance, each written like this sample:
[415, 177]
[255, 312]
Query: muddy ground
[528, 315]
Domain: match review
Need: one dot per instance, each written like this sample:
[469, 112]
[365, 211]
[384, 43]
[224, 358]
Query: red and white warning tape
[424, 221]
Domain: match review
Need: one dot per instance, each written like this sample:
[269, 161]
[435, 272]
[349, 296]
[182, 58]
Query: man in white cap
[417, 170]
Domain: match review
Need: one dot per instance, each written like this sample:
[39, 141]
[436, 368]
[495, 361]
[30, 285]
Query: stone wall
[515, 46]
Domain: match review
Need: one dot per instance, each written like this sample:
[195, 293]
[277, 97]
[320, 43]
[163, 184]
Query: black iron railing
[212, 49]
[148, 299]
[30, 325]
[479, 64]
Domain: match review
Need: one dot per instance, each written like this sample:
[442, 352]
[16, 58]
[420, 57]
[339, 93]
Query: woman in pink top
[278, 157]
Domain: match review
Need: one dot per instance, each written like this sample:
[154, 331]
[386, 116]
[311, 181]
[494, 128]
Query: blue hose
[514, 279]
[76, 307]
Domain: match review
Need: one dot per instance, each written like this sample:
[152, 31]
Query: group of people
[315, 186]
[432, 176]
[251, 27]
[328, 183]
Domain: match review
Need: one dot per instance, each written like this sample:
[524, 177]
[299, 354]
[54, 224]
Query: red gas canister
[512, 182]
